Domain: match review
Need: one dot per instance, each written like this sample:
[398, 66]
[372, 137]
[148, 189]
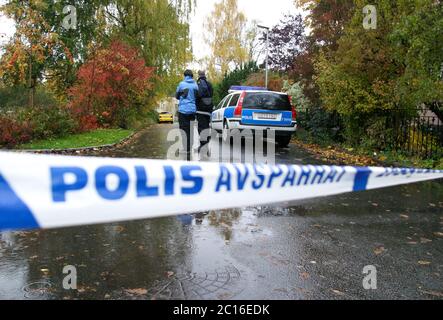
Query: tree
[253, 44]
[160, 31]
[235, 77]
[327, 20]
[158, 28]
[57, 50]
[88, 27]
[418, 43]
[226, 35]
[395, 66]
[32, 46]
[110, 86]
[286, 42]
[275, 81]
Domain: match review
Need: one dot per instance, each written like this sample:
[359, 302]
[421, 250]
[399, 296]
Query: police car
[256, 108]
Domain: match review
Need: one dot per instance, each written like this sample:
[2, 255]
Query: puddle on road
[180, 258]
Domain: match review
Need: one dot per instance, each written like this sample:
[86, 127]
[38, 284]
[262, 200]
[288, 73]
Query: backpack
[205, 101]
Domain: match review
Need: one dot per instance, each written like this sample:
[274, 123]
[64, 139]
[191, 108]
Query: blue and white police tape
[41, 191]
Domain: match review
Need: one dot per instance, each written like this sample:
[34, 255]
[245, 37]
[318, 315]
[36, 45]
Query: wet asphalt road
[314, 249]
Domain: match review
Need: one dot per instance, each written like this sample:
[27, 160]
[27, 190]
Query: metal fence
[412, 132]
[420, 134]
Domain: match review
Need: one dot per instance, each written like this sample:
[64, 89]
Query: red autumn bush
[13, 132]
[22, 125]
[109, 85]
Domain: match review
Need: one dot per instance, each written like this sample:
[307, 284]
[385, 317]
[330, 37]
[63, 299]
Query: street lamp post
[267, 52]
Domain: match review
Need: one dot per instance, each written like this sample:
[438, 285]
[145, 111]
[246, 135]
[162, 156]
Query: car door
[225, 108]
[231, 105]
[217, 116]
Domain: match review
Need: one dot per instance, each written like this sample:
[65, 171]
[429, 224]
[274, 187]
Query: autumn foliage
[13, 132]
[110, 87]
[25, 124]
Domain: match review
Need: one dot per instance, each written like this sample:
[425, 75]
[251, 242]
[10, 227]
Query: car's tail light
[294, 111]
[294, 114]
[239, 109]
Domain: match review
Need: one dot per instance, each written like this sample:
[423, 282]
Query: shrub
[24, 124]
[51, 122]
[296, 91]
[18, 96]
[13, 132]
[325, 127]
[110, 86]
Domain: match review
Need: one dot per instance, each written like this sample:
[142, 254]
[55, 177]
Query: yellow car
[165, 117]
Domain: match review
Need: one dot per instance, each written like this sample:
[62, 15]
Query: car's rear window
[267, 101]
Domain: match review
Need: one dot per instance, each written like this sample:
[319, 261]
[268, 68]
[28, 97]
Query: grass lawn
[89, 139]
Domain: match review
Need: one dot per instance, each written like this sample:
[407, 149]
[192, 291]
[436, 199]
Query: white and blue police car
[256, 108]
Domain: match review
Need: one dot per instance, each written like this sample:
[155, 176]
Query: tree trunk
[31, 84]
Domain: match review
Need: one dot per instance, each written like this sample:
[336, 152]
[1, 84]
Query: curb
[84, 149]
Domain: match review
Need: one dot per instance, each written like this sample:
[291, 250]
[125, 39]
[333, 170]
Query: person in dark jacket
[205, 106]
[187, 93]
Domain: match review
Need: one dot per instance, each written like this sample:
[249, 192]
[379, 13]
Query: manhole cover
[37, 289]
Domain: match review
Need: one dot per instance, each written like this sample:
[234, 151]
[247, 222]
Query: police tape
[44, 191]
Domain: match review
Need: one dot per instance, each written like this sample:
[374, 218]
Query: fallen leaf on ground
[379, 250]
[281, 290]
[224, 296]
[338, 292]
[138, 292]
[119, 229]
[433, 293]
[439, 234]
[424, 263]
[404, 216]
[304, 275]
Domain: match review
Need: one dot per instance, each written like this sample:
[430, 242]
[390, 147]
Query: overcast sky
[267, 12]
[6, 27]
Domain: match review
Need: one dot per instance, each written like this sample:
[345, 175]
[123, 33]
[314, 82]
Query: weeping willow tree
[160, 29]
[184, 7]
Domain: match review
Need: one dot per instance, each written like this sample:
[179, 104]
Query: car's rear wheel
[283, 141]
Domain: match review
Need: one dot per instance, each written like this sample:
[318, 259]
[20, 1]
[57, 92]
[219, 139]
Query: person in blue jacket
[187, 94]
